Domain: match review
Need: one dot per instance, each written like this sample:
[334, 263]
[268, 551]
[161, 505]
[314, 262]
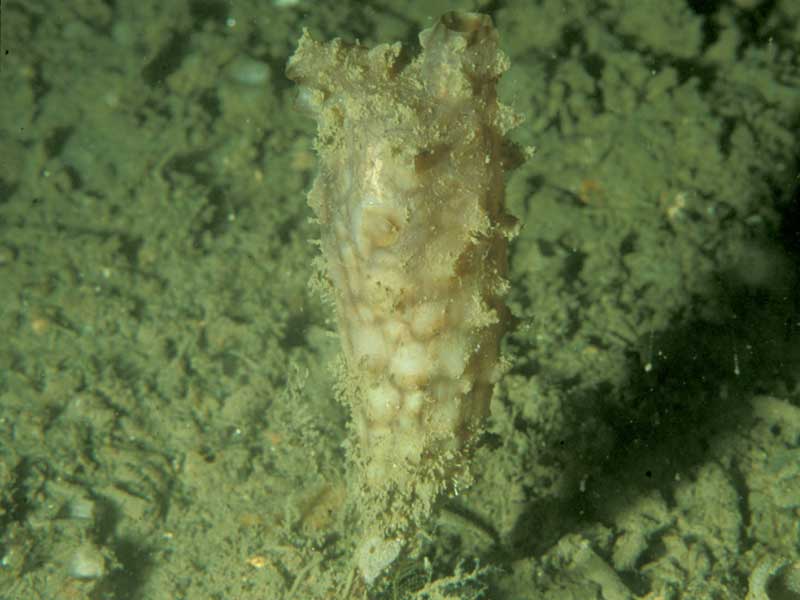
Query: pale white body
[414, 239]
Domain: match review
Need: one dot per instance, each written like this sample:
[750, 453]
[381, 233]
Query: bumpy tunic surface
[414, 234]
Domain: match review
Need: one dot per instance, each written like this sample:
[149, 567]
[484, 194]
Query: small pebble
[249, 71]
[87, 563]
[81, 508]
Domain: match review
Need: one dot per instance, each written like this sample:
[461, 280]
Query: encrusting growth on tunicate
[414, 238]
